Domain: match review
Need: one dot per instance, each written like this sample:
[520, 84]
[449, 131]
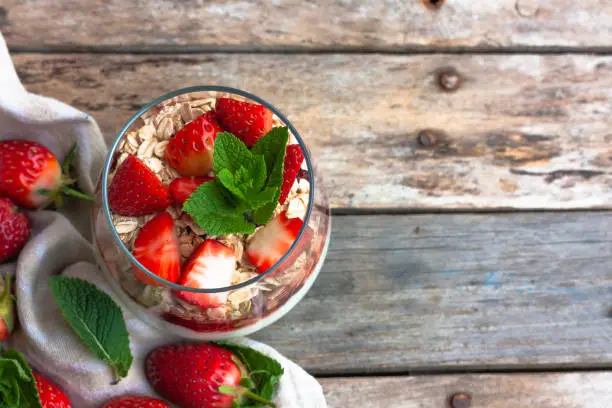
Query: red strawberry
[136, 401]
[249, 122]
[293, 162]
[157, 248]
[136, 190]
[182, 188]
[51, 396]
[190, 375]
[14, 229]
[190, 152]
[270, 243]
[210, 266]
[31, 176]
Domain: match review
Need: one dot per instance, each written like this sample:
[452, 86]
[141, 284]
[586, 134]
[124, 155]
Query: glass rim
[109, 161]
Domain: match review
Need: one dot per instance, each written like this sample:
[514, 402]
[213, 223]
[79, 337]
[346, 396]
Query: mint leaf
[253, 174]
[264, 371]
[210, 198]
[96, 319]
[263, 198]
[215, 224]
[227, 179]
[230, 152]
[273, 147]
[17, 383]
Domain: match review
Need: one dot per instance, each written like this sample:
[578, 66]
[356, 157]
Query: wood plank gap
[203, 49]
[474, 370]
[348, 211]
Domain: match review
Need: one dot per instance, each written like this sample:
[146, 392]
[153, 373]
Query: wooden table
[467, 152]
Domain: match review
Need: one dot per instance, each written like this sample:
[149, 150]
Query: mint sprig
[247, 186]
[263, 373]
[96, 319]
[17, 383]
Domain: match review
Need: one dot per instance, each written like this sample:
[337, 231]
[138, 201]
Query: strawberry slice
[182, 188]
[249, 122]
[190, 152]
[136, 190]
[156, 248]
[270, 243]
[293, 162]
[210, 266]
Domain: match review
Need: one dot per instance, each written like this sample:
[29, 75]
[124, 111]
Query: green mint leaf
[264, 371]
[17, 383]
[273, 147]
[253, 174]
[263, 198]
[230, 152]
[96, 319]
[226, 178]
[215, 224]
[210, 197]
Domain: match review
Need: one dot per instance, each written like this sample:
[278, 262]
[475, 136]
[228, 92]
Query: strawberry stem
[239, 392]
[257, 398]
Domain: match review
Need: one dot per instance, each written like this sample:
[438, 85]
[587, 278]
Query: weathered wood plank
[436, 292]
[522, 131]
[572, 390]
[237, 24]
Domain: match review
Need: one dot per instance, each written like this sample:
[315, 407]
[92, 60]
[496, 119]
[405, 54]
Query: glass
[251, 304]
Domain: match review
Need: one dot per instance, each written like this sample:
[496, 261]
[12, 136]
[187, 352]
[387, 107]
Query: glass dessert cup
[254, 300]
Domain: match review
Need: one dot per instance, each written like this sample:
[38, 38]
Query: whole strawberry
[248, 121]
[199, 375]
[51, 396]
[136, 401]
[14, 229]
[31, 176]
[7, 310]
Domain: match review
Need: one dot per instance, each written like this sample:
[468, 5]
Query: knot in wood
[430, 137]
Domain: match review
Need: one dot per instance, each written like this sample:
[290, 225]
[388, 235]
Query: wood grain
[388, 25]
[522, 131]
[421, 293]
[571, 390]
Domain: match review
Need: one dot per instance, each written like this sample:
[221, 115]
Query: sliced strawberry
[182, 188]
[136, 190]
[249, 122]
[270, 243]
[190, 152]
[156, 248]
[136, 401]
[210, 266]
[293, 162]
[51, 396]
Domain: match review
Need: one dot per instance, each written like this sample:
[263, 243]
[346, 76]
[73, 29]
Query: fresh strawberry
[249, 122]
[31, 176]
[190, 151]
[136, 401]
[182, 188]
[7, 310]
[136, 190]
[210, 266]
[51, 396]
[157, 248]
[190, 375]
[270, 243]
[293, 162]
[14, 229]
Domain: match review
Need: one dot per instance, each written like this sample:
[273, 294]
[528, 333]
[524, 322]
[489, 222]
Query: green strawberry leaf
[265, 372]
[17, 383]
[96, 319]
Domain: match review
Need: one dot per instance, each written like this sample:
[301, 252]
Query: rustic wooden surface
[423, 293]
[396, 25]
[402, 298]
[523, 131]
[576, 390]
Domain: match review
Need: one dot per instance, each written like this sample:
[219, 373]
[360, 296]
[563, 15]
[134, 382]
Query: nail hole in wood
[433, 4]
[430, 138]
[449, 80]
[461, 400]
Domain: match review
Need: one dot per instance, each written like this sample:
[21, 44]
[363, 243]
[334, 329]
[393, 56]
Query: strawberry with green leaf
[214, 376]
[31, 176]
